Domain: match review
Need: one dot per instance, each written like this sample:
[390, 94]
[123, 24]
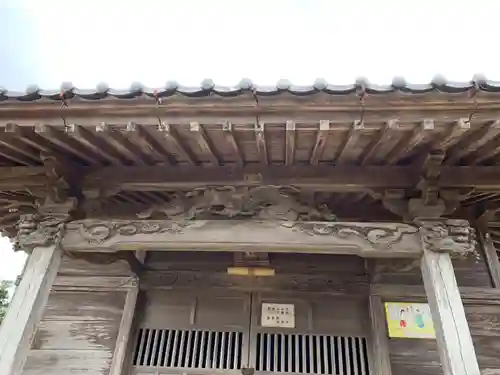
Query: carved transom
[265, 202]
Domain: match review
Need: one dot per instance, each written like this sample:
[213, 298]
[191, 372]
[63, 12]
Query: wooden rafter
[171, 136]
[260, 140]
[227, 127]
[319, 146]
[289, 143]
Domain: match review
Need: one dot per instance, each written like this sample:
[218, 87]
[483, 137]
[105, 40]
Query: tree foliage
[4, 298]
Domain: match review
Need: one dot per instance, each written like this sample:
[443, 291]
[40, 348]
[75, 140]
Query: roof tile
[208, 88]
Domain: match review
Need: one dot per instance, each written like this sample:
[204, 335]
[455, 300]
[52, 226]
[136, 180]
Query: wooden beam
[260, 141]
[26, 308]
[120, 143]
[455, 345]
[203, 142]
[390, 131]
[180, 108]
[66, 143]
[319, 145]
[363, 239]
[97, 145]
[227, 128]
[320, 177]
[341, 178]
[491, 257]
[381, 361]
[289, 143]
[351, 139]
[472, 142]
[124, 331]
[172, 137]
[408, 143]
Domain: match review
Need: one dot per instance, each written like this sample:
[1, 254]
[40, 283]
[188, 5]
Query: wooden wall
[469, 272]
[420, 356]
[78, 332]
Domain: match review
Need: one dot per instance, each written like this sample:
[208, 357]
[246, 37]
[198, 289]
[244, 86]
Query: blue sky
[119, 42]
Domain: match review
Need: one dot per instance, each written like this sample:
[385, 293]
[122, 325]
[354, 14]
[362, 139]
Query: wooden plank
[74, 335]
[94, 283]
[199, 109]
[62, 362]
[363, 239]
[84, 306]
[380, 359]
[26, 308]
[491, 257]
[124, 332]
[485, 296]
[456, 348]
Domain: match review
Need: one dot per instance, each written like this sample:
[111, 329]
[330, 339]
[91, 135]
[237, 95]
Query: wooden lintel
[363, 239]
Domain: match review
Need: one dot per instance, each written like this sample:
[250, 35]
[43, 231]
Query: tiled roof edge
[208, 87]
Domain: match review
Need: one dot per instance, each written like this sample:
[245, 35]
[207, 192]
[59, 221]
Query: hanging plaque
[278, 315]
[409, 320]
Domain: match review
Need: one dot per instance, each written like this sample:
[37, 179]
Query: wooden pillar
[40, 235]
[380, 361]
[27, 307]
[491, 257]
[440, 239]
[125, 330]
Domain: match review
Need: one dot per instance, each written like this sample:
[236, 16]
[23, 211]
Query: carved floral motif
[452, 236]
[378, 237]
[98, 233]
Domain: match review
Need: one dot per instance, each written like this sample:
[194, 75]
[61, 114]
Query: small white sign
[278, 315]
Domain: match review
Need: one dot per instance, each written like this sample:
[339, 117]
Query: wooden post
[124, 332]
[455, 345]
[380, 360]
[122, 341]
[491, 257]
[27, 307]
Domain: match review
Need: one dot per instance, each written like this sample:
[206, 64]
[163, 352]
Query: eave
[248, 126]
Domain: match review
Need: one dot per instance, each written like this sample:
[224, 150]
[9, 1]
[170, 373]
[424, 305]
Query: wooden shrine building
[333, 230]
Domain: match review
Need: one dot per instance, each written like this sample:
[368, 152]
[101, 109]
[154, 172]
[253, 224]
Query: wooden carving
[376, 236]
[452, 236]
[44, 228]
[265, 202]
[366, 239]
